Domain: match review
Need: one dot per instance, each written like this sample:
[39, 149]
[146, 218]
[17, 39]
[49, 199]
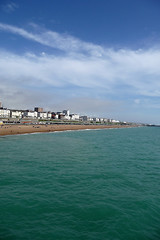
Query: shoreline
[17, 129]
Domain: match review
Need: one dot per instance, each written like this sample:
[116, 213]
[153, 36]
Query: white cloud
[88, 68]
[139, 73]
[137, 101]
[53, 39]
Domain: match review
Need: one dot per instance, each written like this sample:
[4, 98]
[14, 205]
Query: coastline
[39, 128]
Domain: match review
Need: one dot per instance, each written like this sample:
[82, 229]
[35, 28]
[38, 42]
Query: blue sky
[95, 57]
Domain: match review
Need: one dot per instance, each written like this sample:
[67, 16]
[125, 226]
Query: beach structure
[0, 105]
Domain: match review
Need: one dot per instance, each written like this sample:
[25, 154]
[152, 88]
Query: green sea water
[85, 185]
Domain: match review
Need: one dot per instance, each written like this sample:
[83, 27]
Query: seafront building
[66, 112]
[16, 113]
[4, 113]
[30, 114]
[84, 118]
[75, 117]
[95, 119]
[38, 114]
[38, 109]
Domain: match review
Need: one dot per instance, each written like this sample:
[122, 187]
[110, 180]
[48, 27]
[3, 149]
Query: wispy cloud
[83, 71]
[53, 39]
[136, 72]
[10, 7]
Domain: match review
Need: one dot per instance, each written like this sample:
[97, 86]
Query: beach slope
[22, 129]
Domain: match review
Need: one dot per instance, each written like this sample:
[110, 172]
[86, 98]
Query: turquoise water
[86, 185]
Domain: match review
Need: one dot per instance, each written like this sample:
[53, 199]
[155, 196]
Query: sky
[99, 58]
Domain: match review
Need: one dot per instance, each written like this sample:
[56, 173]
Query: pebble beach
[13, 129]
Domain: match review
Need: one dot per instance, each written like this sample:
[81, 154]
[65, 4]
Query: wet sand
[21, 129]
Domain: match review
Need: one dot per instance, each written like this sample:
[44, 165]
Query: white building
[4, 113]
[65, 117]
[95, 119]
[105, 120]
[101, 119]
[84, 118]
[30, 114]
[42, 115]
[90, 119]
[54, 115]
[66, 112]
[49, 115]
[115, 121]
[16, 113]
[74, 117]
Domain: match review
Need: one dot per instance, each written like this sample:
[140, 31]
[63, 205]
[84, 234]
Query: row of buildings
[40, 114]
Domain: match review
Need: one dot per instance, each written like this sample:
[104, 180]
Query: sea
[81, 185]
